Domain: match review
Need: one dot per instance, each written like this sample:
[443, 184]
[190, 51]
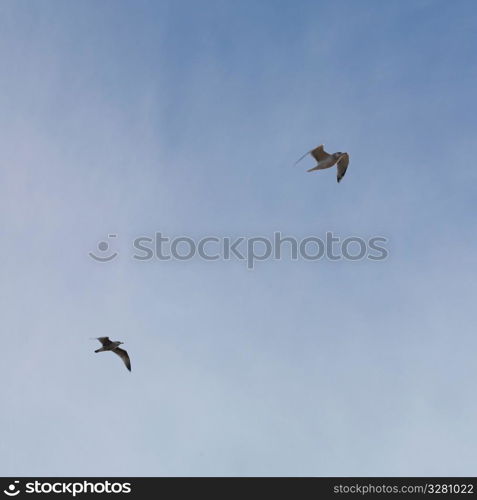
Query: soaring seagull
[326, 160]
[109, 345]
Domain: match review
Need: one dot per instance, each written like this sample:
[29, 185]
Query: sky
[185, 117]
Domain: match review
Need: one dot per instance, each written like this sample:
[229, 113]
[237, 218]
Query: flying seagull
[109, 345]
[326, 160]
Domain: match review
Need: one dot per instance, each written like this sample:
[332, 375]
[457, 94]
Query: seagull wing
[104, 340]
[319, 153]
[342, 165]
[301, 157]
[124, 356]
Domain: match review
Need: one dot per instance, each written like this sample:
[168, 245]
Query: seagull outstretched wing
[301, 157]
[342, 165]
[124, 356]
[104, 340]
[319, 153]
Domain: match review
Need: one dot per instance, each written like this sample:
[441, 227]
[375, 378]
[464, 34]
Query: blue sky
[185, 117]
